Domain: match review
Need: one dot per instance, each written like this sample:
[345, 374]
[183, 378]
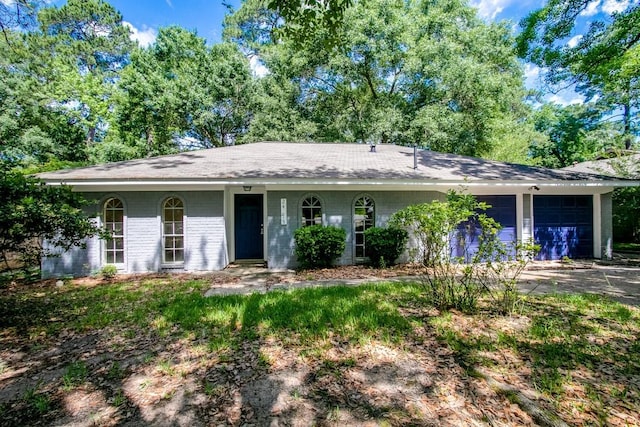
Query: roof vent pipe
[415, 156]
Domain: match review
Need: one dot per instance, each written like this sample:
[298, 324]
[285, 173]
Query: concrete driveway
[621, 283]
[618, 281]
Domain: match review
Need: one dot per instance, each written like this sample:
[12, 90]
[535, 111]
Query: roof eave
[107, 184]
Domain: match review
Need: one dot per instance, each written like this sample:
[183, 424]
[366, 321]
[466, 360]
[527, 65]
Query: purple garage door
[503, 210]
[563, 226]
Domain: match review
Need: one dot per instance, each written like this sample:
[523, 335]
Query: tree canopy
[604, 63]
[421, 72]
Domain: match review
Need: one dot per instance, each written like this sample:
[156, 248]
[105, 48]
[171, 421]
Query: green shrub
[385, 245]
[459, 273]
[109, 271]
[318, 246]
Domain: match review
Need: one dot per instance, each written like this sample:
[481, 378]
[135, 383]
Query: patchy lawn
[153, 350]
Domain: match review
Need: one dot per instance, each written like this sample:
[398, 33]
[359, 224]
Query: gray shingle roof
[284, 161]
[615, 167]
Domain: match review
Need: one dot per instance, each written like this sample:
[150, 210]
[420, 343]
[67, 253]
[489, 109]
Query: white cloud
[611, 6]
[489, 9]
[169, 3]
[565, 97]
[531, 75]
[573, 41]
[144, 37]
[591, 9]
[257, 67]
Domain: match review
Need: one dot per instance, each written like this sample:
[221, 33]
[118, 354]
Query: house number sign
[283, 211]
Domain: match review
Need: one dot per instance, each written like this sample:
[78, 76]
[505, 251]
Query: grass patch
[626, 247]
[75, 375]
[578, 350]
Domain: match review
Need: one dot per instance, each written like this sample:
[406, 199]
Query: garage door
[503, 210]
[563, 226]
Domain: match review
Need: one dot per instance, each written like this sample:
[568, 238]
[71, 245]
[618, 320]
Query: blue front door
[249, 226]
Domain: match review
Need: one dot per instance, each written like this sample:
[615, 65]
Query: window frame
[368, 223]
[320, 205]
[110, 245]
[173, 235]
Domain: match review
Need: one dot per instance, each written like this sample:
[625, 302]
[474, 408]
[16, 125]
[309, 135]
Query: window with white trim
[311, 211]
[364, 211]
[173, 231]
[113, 215]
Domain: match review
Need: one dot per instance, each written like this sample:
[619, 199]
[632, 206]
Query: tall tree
[86, 46]
[426, 72]
[180, 93]
[604, 64]
[574, 133]
[32, 131]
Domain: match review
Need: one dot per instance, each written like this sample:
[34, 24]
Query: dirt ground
[269, 382]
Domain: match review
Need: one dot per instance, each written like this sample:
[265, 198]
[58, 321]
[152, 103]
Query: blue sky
[145, 17]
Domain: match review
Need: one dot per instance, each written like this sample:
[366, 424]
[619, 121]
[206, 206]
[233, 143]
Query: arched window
[311, 211]
[173, 230]
[364, 217]
[114, 224]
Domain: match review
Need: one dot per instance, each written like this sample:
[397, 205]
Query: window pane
[168, 228]
[168, 242]
[118, 227]
[168, 255]
[109, 257]
[177, 242]
[179, 256]
[178, 228]
[120, 257]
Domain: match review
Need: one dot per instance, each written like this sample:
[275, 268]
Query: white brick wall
[205, 242]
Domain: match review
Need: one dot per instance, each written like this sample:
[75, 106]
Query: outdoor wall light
[246, 187]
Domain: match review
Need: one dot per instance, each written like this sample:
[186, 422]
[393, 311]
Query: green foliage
[318, 246]
[302, 18]
[109, 271]
[385, 245]
[575, 133]
[458, 272]
[604, 62]
[181, 94]
[626, 221]
[400, 72]
[87, 45]
[32, 212]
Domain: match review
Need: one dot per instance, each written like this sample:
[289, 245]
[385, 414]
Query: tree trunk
[628, 138]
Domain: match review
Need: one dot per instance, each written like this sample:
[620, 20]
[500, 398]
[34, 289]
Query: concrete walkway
[620, 282]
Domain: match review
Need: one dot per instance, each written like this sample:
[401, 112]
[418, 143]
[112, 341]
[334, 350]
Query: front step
[244, 263]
